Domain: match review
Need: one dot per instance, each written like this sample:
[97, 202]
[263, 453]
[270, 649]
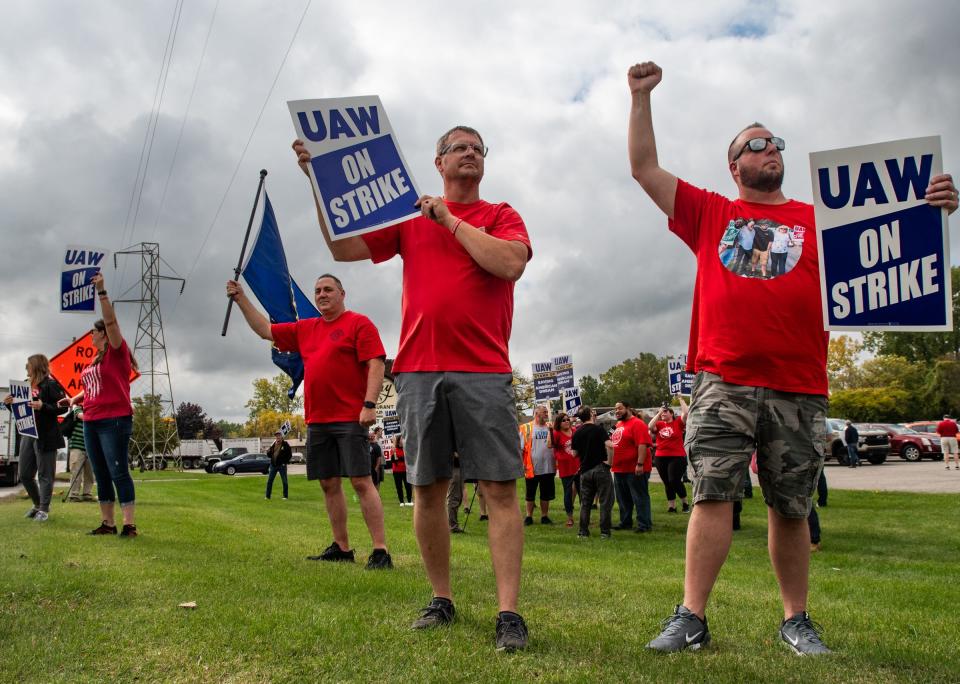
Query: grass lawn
[75, 608]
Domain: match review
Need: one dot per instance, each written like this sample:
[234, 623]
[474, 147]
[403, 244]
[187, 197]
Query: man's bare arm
[258, 323]
[347, 249]
[505, 259]
[375, 370]
[659, 184]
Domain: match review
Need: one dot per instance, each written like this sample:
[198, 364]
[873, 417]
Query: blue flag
[268, 277]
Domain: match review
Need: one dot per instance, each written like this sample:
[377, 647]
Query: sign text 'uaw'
[884, 251]
[357, 168]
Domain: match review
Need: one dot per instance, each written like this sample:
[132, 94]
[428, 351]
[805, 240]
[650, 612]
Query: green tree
[590, 390]
[842, 370]
[940, 396]
[190, 420]
[522, 393]
[871, 404]
[640, 381]
[227, 429]
[153, 433]
[270, 394]
[922, 347]
[267, 422]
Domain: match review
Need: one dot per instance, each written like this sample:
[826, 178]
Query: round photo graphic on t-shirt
[760, 248]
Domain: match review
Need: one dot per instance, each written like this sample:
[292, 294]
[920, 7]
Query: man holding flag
[343, 361]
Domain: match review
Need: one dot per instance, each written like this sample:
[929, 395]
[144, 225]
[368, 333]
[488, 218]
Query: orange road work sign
[67, 365]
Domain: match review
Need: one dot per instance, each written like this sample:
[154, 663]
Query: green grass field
[75, 608]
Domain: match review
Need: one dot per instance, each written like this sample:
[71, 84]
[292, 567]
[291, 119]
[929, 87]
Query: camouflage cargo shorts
[726, 423]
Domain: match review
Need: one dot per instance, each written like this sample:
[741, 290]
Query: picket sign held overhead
[80, 264]
[356, 167]
[571, 400]
[884, 251]
[544, 381]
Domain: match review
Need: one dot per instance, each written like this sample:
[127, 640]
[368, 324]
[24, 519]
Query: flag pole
[243, 249]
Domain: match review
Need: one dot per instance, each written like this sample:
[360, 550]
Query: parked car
[928, 427]
[911, 445]
[245, 463]
[297, 457]
[873, 445]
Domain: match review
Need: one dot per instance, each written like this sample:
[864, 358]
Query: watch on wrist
[369, 404]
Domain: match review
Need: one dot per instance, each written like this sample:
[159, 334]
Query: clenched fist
[643, 77]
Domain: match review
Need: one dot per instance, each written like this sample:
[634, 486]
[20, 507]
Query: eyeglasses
[564, 420]
[760, 144]
[461, 148]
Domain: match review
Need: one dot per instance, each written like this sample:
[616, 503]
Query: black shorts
[547, 484]
[337, 450]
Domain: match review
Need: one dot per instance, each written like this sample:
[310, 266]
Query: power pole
[151, 353]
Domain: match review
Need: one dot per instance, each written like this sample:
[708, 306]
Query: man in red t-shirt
[631, 466]
[343, 363]
[461, 258]
[759, 350]
[947, 429]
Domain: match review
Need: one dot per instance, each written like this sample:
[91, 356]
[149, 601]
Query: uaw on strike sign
[79, 265]
[356, 166]
[884, 251]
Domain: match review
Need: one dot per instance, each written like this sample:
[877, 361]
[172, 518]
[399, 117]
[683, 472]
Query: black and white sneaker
[681, 630]
[511, 632]
[334, 554]
[379, 560]
[439, 612]
[802, 635]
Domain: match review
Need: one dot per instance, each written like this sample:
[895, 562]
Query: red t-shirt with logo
[567, 462]
[106, 386]
[947, 428]
[334, 363]
[752, 325]
[670, 437]
[626, 438]
[455, 315]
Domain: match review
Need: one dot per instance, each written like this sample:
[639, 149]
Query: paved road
[894, 475]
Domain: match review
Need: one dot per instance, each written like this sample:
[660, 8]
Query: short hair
[730, 152]
[333, 278]
[625, 405]
[442, 142]
[585, 414]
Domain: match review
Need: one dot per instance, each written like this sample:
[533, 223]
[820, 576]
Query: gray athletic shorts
[337, 450]
[726, 423]
[473, 414]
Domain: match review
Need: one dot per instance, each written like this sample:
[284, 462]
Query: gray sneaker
[32, 513]
[41, 516]
[681, 630]
[511, 632]
[802, 635]
[439, 612]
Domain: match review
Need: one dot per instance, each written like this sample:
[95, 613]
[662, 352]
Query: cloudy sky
[543, 81]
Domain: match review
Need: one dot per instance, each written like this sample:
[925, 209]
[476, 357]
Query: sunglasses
[760, 144]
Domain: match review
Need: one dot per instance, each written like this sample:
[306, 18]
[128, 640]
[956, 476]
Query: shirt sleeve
[369, 345]
[285, 336]
[688, 207]
[384, 244]
[507, 225]
[641, 433]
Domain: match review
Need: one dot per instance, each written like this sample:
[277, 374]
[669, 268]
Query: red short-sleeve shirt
[627, 438]
[335, 356]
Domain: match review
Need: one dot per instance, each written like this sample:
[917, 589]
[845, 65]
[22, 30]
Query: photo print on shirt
[760, 248]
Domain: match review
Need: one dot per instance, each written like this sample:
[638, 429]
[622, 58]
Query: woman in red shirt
[671, 460]
[108, 418]
[399, 469]
[568, 465]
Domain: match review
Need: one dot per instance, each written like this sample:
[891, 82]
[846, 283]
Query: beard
[761, 179]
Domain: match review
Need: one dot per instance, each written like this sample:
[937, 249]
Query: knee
[362, 485]
[331, 486]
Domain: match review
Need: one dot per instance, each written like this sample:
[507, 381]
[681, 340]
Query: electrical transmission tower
[151, 353]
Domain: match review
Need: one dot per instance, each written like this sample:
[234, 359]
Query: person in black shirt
[376, 457]
[280, 454]
[589, 444]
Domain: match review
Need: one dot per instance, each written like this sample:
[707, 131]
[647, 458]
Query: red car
[911, 445]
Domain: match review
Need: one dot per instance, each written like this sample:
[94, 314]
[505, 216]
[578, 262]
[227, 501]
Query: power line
[151, 131]
[183, 123]
[266, 101]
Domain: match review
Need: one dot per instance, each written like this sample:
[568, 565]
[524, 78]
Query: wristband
[369, 405]
[102, 293]
[453, 231]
